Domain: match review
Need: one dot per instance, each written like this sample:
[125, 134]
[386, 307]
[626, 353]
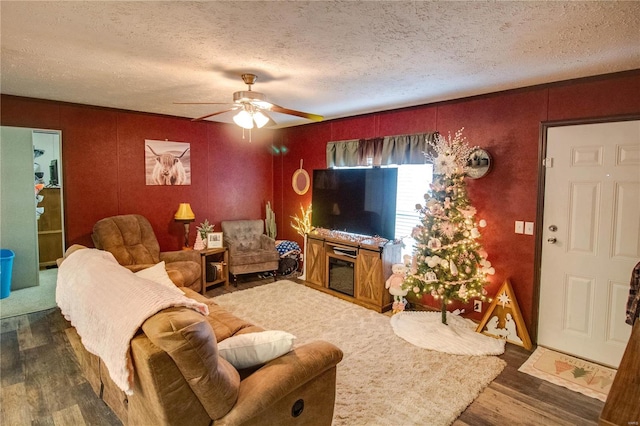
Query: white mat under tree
[459, 337]
[382, 379]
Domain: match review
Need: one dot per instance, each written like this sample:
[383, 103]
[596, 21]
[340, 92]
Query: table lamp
[186, 216]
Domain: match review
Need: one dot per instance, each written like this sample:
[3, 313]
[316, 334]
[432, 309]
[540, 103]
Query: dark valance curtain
[401, 149]
[370, 152]
[407, 149]
[342, 154]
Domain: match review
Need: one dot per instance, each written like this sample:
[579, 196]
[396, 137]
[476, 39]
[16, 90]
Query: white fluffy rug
[459, 337]
[382, 379]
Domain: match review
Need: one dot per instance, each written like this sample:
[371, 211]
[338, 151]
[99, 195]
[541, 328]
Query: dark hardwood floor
[41, 383]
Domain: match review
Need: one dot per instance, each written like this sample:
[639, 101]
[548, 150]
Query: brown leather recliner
[181, 380]
[131, 240]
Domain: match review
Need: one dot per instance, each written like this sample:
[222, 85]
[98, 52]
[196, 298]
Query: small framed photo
[214, 239]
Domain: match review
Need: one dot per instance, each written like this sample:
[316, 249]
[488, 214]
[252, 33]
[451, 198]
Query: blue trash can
[6, 266]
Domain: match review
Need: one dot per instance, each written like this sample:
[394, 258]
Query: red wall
[507, 124]
[103, 158]
[103, 167]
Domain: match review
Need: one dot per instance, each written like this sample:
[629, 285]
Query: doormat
[582, 376]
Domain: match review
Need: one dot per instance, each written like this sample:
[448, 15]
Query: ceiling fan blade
[271, 121]
[211, 115]
[308, 116]
[203, 103]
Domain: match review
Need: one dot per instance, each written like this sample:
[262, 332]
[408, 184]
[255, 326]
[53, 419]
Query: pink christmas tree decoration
[199, 244]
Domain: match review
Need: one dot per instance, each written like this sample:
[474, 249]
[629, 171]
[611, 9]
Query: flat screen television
[359, 201]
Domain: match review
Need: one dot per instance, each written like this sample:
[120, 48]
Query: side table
[219, 254]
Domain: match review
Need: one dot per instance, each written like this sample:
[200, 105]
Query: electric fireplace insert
[342, 275]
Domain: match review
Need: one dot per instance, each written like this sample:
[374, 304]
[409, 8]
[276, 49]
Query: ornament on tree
[199, 244]
[449, 261]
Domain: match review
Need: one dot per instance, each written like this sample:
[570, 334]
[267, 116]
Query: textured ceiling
[331, 58]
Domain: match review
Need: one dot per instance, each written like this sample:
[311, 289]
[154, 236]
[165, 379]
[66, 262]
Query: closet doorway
[31, 204]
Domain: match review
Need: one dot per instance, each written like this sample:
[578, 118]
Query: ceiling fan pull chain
[249, 134]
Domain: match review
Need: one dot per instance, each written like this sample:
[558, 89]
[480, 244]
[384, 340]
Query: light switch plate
[528, 228]
[519, 227]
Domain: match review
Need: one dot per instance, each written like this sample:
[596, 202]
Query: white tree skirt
[425, 330]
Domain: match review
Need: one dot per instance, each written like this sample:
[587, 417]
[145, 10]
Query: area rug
[582, 376]
[458, 337]
[31, 299]
[382, 379]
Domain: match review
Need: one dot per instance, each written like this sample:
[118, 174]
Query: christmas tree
[199, 244]
[448, 261]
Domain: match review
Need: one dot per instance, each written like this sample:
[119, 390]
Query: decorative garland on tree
[448, 260]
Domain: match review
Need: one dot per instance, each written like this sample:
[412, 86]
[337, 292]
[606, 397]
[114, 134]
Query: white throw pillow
[251, 349]
[158, 273]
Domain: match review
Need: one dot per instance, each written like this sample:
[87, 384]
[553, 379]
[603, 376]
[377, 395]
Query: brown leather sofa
[181, 380]
[131, 240]
[250, 249]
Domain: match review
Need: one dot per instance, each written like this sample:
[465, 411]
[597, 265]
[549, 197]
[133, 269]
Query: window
[413, 183]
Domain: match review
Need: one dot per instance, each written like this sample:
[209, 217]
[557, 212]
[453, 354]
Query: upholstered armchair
[133, 243]
[250, 250]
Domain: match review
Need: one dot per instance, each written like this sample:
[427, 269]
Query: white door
[18, 227]
[591, 238]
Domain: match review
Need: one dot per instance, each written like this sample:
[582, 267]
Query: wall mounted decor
[300, 181]
[167, 163]
[479, 163]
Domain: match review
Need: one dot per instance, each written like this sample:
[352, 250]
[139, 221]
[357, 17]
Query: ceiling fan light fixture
[243, 119]
[260, 119]
[253, 107]
[249, 96]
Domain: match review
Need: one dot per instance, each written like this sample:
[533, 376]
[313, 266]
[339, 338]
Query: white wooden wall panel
[578, 304]
[617, 330]
[626, 226]
[583, 218]
[586, 156]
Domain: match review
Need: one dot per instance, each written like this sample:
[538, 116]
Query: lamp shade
[244, 119]
[184, 212]
[260, 119]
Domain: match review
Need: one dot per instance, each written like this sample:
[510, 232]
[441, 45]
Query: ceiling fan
[252, 107]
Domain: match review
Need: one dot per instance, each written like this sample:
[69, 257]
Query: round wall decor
[479, 163]
[300, 181]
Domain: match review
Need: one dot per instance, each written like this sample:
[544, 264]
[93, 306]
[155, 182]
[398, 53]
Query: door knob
[552, 240]
[553, 228]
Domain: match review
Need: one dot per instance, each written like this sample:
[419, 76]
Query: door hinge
[548, 162]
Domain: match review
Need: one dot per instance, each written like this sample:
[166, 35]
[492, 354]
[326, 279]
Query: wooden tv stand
[371, 259]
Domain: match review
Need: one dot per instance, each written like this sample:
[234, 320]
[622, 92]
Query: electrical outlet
[528, 228]
[477, 305]
[519, 227]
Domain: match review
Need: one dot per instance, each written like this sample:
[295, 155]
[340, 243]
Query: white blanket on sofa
[107, 303]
